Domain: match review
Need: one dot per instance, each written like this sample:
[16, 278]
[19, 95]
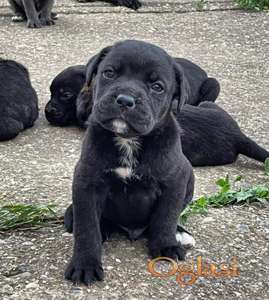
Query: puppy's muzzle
[125, 101]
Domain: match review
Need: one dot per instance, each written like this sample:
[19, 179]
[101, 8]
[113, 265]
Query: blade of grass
[16, 215]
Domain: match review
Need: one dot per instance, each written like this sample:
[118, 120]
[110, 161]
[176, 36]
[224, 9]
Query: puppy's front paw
[34, 24]
[175, 252]
[47, 22]
[86, 272]
[133, 4]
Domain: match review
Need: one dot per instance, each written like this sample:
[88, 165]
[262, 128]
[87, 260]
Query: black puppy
[212, 137]
[132, 172]
[18, 100]
[133, 4]
[60, 111]
[65, 87]
[36, 12]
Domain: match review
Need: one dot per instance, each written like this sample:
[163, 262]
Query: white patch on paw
[185, 239]
[119, 126]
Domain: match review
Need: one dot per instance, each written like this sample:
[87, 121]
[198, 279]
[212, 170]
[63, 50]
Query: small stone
[67, 234]
[7, 289]
[27, 243]
[32, 285]
[242, 227]
[117, 260]
[109, 268]
[208, 220]
[23, 275]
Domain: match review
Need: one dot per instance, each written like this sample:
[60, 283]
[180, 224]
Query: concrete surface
[37, 166]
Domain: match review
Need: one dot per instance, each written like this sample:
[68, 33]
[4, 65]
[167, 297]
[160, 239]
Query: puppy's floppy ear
[84, 99]
[182, 87]
[93, 63]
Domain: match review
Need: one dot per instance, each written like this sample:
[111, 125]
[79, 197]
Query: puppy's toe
[47, 22]
[174, 252]
[34, 24]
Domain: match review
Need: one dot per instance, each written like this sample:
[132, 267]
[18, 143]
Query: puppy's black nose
[126, 101]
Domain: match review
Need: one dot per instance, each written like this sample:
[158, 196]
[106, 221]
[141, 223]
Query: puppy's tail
[209, 90]
[251, 149]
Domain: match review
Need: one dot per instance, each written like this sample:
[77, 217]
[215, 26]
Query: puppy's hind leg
[209, 90]
[107, 228]
[19, 13]
[251, 149]
[9, 128]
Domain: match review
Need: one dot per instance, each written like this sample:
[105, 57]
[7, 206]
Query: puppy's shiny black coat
[132, 171]
[65, 87]
[18, 100]
[36, 12]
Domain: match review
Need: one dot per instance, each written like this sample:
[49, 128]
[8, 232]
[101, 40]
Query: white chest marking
[124, 173]
[128, 149]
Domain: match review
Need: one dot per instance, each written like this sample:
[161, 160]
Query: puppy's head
[134, 86]
[61, 109]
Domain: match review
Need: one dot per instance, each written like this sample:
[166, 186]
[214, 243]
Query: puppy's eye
[109, 73]
[66, 96]
[157, 87]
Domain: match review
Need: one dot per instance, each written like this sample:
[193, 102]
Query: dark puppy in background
[36, 12]
[131, 172]
[18, 100]
[65, 87]
[59, 110]
[133, 4]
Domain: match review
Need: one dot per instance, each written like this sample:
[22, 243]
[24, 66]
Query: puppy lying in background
[36, 12]
[18, 100]
[210, 135]
[133, 4]
[131, 172]
[65, 87]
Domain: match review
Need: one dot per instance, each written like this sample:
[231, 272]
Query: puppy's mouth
[120, 127]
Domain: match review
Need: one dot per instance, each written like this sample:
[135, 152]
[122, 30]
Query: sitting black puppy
[131, 171]
[18, 100]
[133, 4]
[65, 87]
[62, 109]
[36, 12]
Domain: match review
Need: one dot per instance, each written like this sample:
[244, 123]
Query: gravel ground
[37, 166]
